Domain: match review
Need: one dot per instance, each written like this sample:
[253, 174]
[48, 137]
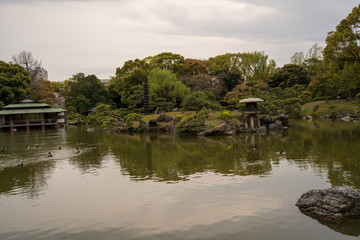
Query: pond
[126, 186]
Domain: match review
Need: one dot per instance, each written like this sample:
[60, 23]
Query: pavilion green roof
[27, 105]
[31, 110]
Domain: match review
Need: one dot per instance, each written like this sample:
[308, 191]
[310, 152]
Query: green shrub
[224, 103]
[198, 100]
[110, 122]
[251, 83]
[131, 118]
[321, 98]
[357, 98]
[233, 104]
[192, 124]
[225, 115]
[178, 117]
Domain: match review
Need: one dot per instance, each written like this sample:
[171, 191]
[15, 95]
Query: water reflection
[223, 187]
[348, 227]
[327, 147]
[29, 179]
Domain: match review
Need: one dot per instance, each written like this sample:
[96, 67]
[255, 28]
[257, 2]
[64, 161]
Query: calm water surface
[166, 187]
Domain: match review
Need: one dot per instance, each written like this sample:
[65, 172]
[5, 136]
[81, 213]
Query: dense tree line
[168, 80]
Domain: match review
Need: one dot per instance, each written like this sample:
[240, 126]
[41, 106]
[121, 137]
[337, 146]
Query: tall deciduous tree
[203, 82]
[164, 84]
[167, 61]
[227, 68]
[14, 83]
[288, 76]
[255, 66]
[121, 86]
[347, 80]
[27, 61]
[43, 91]
[84, 92]
[194, 67]
[298, 59]
[343, 44]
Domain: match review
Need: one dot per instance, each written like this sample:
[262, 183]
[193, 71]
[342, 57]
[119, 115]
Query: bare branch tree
[32, 65]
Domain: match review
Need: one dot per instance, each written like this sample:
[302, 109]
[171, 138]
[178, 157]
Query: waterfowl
[27, 147]
[89, 153]
[49, 154]
[2, 149]
[20, 165]
[254, 148]
[281, 152]
[59, 148]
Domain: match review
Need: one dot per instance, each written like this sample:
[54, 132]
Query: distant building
[39, 73]
[29, 113]
[104, 81]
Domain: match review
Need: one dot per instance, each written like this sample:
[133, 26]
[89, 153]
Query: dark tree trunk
[146, 97]
[325, 94]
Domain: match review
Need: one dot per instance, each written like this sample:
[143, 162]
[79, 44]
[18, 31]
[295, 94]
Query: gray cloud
[80, 35]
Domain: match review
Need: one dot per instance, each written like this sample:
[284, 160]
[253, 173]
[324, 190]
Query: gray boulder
[261, 129]
[266, 120]
[333, 115]
[346, 119]
[308, 117]
[223, 128]
[277, 125]
[331, 203]
[153, 123]
[284, 119]
[164, 118]
[143, 127]
[90, 130]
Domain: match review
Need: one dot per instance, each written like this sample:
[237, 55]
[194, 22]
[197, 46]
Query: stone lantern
[252, 121]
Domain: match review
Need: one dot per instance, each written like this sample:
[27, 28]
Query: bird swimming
[49, 154]
[281, 152]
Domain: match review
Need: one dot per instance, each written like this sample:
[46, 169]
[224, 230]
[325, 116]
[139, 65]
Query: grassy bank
[320, 108]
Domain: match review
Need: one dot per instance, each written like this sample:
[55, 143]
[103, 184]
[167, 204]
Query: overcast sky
[95, 36]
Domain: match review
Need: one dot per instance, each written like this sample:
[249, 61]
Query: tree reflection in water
[329, 148]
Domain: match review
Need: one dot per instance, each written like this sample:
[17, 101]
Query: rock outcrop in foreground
[331, 203]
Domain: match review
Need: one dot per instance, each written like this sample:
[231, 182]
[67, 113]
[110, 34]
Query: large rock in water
[331, 203]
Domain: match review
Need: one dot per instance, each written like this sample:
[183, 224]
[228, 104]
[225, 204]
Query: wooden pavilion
[28, 113]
